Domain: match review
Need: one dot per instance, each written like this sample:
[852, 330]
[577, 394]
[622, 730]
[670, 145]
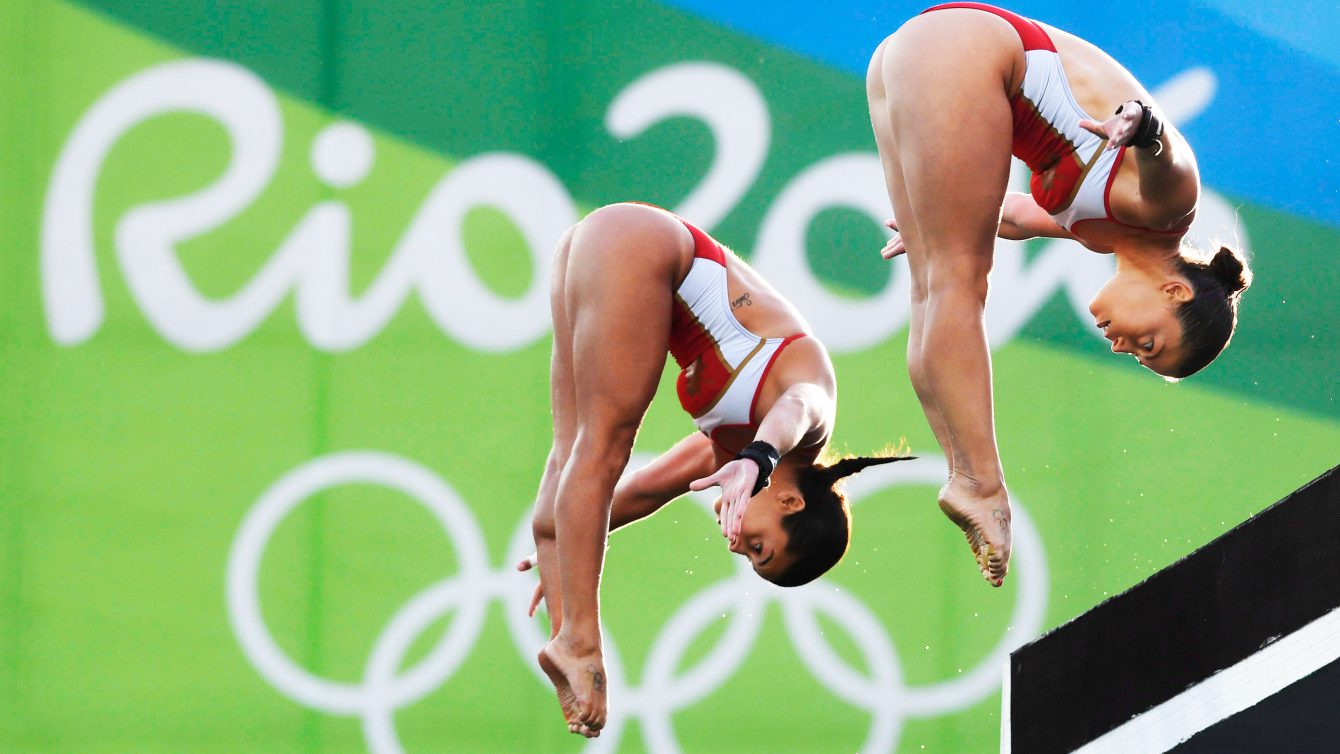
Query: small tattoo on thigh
[743, 300]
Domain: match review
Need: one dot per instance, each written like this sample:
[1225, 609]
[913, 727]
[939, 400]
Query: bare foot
[579, 679]
[985, 522]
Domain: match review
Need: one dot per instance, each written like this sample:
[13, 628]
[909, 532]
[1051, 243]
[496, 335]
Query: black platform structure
[1234, 648]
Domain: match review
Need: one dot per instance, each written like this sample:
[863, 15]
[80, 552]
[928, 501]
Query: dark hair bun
[1229, 267]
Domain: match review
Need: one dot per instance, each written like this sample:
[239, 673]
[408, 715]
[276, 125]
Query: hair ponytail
[819, 533]
[855, 464]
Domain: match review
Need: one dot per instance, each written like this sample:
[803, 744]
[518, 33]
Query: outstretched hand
[527, 563]
[895, 246]
[1120, 129]
[736, 480]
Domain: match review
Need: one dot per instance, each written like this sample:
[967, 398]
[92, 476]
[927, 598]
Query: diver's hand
[736, 480]
[1120, 129]
[895, 246]
[526, 564]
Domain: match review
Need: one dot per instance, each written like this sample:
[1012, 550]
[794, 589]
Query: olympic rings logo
[880, 690]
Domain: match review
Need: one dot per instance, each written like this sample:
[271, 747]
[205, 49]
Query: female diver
[632, 282]
[953, 93]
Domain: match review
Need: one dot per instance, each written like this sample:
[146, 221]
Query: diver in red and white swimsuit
[632, 283]
[724, 364]
[1072, 167]
[953, 94]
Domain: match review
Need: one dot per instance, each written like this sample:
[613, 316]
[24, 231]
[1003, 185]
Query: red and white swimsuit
[732, 362]
[1072, 170]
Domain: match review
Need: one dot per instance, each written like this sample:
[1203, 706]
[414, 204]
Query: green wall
[270, 255]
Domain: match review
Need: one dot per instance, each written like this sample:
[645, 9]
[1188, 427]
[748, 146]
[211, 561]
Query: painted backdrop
[273, 368]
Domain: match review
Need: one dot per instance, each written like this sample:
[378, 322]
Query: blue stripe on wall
[1271, 135]
[1310, 27]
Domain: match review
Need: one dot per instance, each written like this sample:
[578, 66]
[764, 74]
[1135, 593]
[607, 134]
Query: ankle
[965, 486]
[577, 642]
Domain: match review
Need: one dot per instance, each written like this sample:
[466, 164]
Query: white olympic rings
[879, 690]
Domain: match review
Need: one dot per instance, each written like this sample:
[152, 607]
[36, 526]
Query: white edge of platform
[1222, 695]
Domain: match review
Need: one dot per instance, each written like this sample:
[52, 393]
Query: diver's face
[762, 538]
[1138, 314]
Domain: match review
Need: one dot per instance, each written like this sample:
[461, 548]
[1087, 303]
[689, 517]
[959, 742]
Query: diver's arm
[1169, 179]
[647, 490]
[1021, 219]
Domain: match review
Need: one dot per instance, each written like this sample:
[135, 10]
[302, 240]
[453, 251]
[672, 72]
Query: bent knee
[604, 452]
[965, 276]
[916, 364]
[917, 373]
[558, 458]
[542, 524]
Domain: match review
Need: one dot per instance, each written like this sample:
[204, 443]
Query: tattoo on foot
[597, 677]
